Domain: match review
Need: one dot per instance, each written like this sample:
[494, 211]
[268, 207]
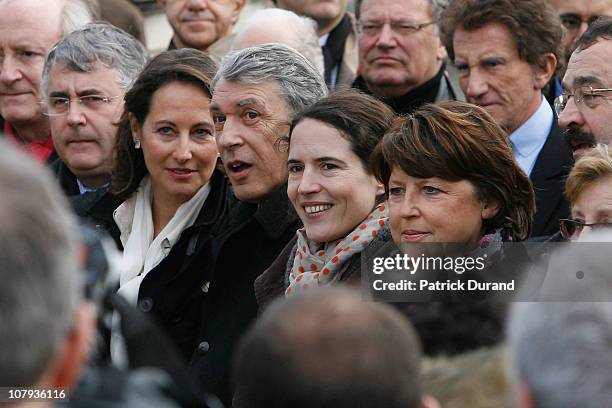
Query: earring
[137, 143]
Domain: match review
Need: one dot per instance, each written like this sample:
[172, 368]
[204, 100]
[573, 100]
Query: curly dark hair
[184, 65]
[459, 141]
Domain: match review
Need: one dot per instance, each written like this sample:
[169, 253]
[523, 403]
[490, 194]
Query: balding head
[25, 40]
[329, 349]
[282, 27]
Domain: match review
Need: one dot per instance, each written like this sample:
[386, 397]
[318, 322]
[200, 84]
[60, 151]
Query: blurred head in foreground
[328, 348]
[46, 327]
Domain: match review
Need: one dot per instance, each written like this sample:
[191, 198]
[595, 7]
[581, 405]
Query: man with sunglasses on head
[506, 51]
[401, 56]
[585, 107]
[84, 79]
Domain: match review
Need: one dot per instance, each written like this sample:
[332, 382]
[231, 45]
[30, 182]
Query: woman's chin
[323, 237]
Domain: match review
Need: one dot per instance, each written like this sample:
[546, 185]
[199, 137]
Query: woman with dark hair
[334, 193]
[451, 177]
[166, 194]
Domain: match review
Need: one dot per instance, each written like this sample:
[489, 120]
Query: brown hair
[458, 141]
[600, 29]
[590, 168]
[186, 66]
[535, 26]
[361, 119]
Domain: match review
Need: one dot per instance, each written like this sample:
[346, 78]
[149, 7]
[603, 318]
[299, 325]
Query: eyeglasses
[583, 94]
[373, 28]
[573, 21]
[571, 229]
[58, 105]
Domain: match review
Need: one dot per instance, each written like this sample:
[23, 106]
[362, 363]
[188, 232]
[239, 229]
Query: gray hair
[75, 14]
[437, 8]
[563, 350]
[41, 283]
[95, 43]
[300, 82]
[300, 33]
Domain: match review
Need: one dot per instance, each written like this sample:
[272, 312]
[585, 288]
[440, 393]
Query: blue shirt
[529, 138]
[84, 189]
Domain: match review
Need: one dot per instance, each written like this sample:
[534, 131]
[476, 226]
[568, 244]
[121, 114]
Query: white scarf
[141, 252]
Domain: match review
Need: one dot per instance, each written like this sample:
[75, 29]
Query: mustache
[575, 137]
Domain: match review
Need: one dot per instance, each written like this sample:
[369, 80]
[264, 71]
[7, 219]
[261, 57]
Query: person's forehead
[584, 7]
[104, 79]
[493, 38]
[396, 8]
[232, 94]
[591, 65]
[21, 22]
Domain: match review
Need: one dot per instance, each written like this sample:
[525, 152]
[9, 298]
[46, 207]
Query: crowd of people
[242, 182]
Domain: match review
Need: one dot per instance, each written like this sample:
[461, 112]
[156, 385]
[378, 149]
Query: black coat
[548, 177]
[66, 179]
[172, 291]
[248, 240]
[202, 292]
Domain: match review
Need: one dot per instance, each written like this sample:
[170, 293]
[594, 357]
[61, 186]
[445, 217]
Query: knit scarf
[315, 266]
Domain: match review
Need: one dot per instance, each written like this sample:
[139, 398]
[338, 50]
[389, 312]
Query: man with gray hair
[47, 327]
[279, 26]
[401, 55]
[84, 79]
[562, 346]
[28, 29]
[255, 93]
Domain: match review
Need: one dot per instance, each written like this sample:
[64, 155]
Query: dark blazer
[66, 179]
[246, 242]
[202, 292]
[172, 291]
[548, 177]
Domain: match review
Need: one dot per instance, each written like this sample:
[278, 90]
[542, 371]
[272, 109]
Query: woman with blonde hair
[589, 190]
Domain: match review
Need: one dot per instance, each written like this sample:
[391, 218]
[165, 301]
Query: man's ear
[73, 353]
[544, 73]
[427, 401]
[237, 9]
[162, 3]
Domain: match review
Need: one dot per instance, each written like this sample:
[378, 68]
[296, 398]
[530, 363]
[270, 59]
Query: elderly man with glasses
[401, 56]
[585, 107]
[84, 79]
